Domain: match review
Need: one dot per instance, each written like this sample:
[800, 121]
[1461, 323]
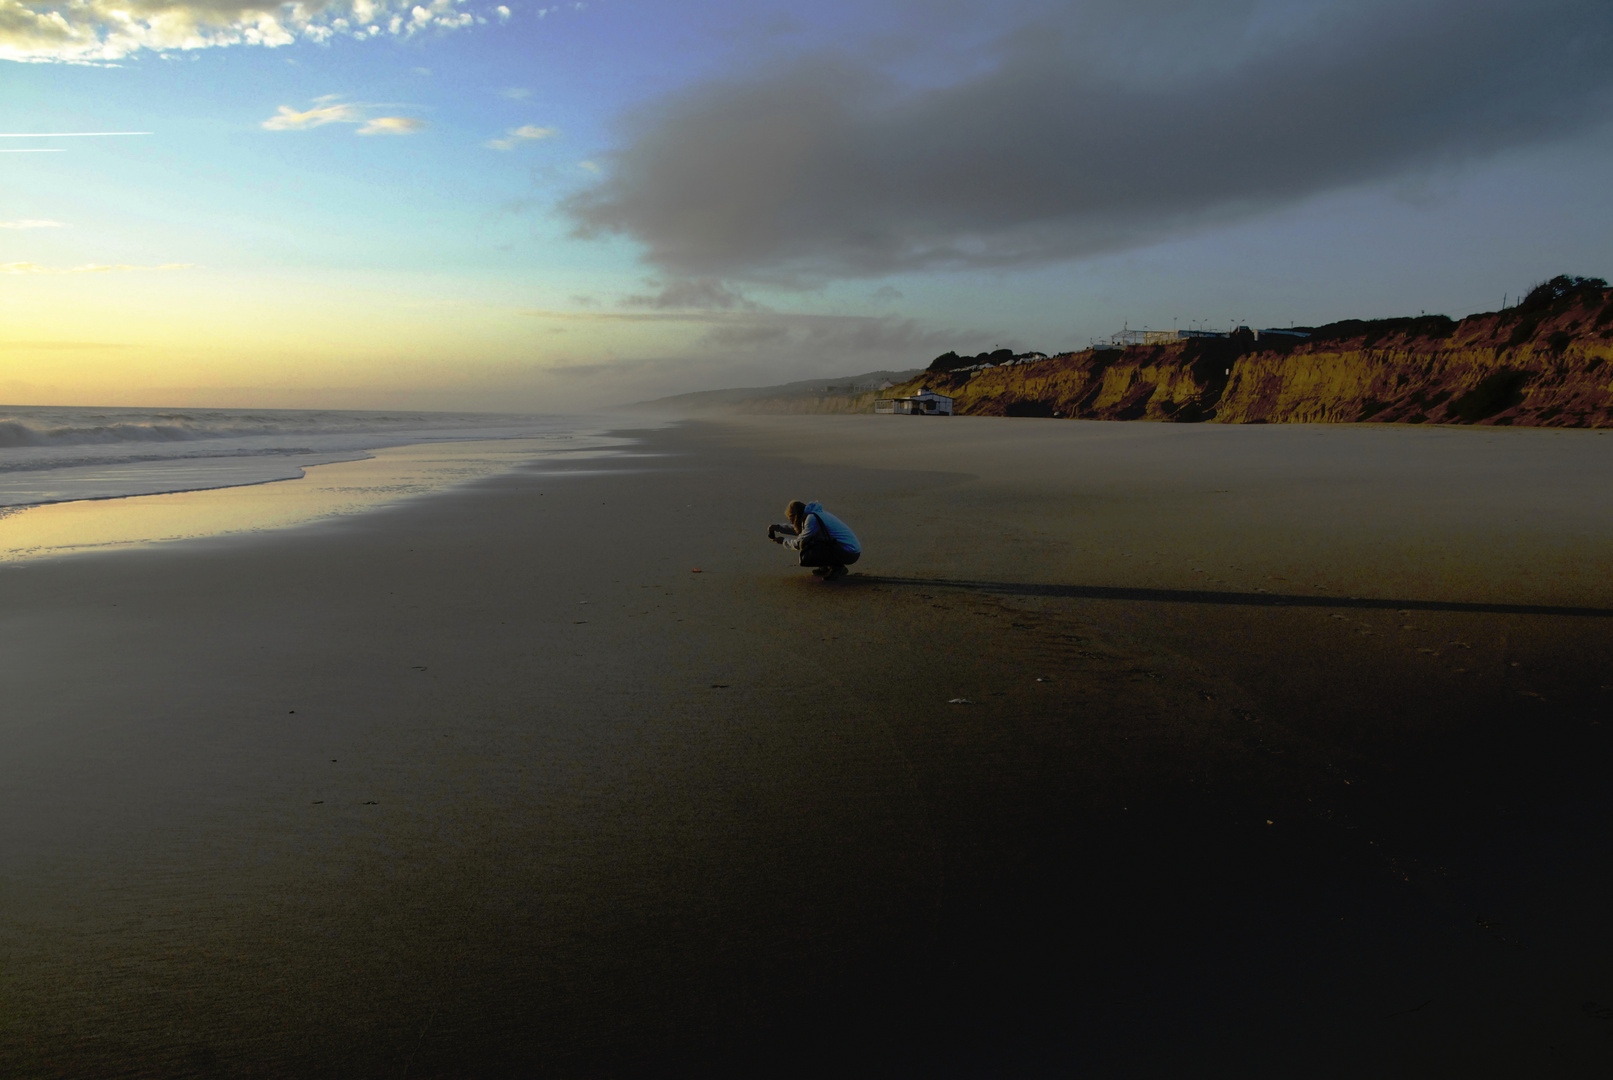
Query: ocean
[74, 479]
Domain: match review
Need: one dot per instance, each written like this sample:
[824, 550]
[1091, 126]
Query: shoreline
[494, 784]
[357, 483]
[51, 455]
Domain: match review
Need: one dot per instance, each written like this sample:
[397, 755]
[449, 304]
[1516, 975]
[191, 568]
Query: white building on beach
[924, 403]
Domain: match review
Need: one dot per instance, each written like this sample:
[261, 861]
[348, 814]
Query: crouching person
[825, 542]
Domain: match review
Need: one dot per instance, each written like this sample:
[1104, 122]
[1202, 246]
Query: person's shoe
[836, 572]
[821, 571]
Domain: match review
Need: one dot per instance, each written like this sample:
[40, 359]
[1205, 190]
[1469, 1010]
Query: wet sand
[1282, 753]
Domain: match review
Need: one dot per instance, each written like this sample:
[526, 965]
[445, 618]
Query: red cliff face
[1543, 363]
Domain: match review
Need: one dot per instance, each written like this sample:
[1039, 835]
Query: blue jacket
[819, 522]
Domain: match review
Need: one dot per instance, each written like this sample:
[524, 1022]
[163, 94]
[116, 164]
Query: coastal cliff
[1543, 362]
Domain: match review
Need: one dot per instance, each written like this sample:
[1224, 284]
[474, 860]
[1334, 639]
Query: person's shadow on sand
[1208, 596]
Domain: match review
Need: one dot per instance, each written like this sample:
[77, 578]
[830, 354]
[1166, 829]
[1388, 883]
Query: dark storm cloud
[1089, 128]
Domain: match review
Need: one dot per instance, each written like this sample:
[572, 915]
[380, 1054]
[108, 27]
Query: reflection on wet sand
[333, 490]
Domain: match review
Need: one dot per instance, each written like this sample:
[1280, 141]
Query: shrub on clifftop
[1549, 293]
[951, 361]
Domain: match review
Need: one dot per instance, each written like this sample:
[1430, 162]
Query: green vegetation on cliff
[1540, 363]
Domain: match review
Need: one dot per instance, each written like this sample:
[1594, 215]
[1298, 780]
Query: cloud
[392, 125]
[101, 31]
[1087, 128]
[789, 338]
[746, 335]
[66, 134]
[93, 268]
[289, 119]
[526, 133]
[706, 294]
[855, 339]
[836, 342]
[65, 346]
[328, 110]
[629, 317]
[32, 223]
[54, 135]
[515, 93]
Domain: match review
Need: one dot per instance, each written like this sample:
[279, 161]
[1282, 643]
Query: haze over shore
[1540, 363]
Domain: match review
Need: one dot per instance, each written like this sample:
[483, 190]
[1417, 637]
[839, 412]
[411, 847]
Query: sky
[566, 206]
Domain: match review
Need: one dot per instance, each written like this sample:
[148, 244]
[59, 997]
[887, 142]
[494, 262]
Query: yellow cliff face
[1546, 365]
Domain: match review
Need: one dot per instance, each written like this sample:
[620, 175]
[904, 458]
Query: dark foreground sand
[491, 784]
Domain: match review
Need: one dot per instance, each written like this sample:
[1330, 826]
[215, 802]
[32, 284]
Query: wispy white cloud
[32, 223]
[52, 134]
[100, 31]
[329, 110]
[392, 125]
[65, 134]
[526, 133]
[515, 93]
[90, 268]
[289, 119]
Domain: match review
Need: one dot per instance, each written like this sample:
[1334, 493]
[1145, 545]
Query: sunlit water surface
[347, 487]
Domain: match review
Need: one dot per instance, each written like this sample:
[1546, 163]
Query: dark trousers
[826, 553]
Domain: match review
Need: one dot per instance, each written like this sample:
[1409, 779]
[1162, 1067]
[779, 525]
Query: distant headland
[1542, 362]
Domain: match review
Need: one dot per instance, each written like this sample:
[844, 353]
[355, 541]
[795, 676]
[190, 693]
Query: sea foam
[50, 455]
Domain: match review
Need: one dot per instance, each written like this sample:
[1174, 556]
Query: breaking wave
[64, 454]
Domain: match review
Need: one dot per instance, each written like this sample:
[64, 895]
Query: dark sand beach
[1283, 752]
